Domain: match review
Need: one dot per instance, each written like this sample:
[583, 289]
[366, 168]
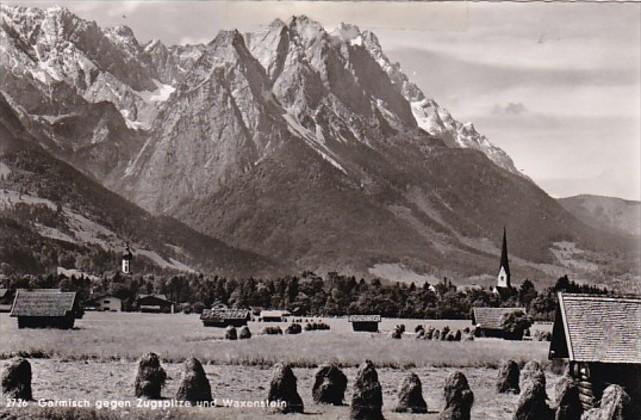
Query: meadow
[97, 360]
[106, 336]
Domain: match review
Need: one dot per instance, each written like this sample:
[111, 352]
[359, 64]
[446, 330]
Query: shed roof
[224, 314]
[153, 298]
[364, 318]
[45, 302]
[592, 328]
[490, 318]
[274, 313]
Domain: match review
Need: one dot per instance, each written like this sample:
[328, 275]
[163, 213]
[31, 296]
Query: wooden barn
[600, 336]
[45, 308]
[154, 303]
[274, 315]
[489, 322]
[367, 323]
[223, 317]
[105, 303]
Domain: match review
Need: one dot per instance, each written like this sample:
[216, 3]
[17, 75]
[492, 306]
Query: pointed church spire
[503, 279]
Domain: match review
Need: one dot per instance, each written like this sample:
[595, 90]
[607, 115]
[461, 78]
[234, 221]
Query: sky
[557, 86]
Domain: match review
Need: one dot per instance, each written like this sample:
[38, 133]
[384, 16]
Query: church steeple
[503, 278]
[127, 257]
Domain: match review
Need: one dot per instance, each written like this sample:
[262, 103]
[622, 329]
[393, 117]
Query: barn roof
[592, 328]
[364, 318]
[490, 318]
[274, 313]
[224, 314]
[45, 302]
[154, 299]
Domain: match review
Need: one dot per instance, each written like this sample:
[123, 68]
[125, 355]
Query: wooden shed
[223, 317]
[367, 323]
[489, 322]
[274, 315]
[600, 336]
[154, 303]
[48, 308]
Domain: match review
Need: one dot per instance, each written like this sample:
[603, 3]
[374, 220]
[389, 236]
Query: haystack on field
[97, 361]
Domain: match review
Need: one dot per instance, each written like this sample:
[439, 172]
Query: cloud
[511, 108]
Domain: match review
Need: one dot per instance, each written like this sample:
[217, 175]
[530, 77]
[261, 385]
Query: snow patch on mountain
[161, 94]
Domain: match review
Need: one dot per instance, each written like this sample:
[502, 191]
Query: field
[96, 361]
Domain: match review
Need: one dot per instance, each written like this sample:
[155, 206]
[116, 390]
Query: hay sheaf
[615, 405]
[533, 371]
[282, 388]
[150, 377]
[397, 332]
[458, 398]
[231, 333]
[367, 398]
[568, 404]
[16, 380]
[329, 386]
[244, 333]
[508, 378]
[410, 396]
[532, 404]
[272, 331]
[194, 386]
[294, 328]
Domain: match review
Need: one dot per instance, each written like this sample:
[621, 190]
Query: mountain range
[288, 148]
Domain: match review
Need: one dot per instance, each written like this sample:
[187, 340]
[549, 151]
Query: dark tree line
[311, 294]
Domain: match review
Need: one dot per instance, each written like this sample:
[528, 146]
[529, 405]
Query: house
[6, 299]
[274, 315]
[154, 303]
[224, 317]
[600, 336]
[105, 303]
[489, 322]
[364, 322]
[45, 308]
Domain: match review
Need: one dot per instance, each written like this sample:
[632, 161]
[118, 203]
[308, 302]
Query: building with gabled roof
[224, 317]
[45, 308]
[489, 321]
[274, 315]
[367, 323]
[600, 336]
[154, 303]
[106, 303]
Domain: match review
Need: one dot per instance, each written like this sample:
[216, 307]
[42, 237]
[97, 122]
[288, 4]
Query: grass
[97, 361]
[126, 336]
[113, 381]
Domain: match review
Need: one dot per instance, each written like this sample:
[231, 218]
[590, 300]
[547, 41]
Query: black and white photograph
[358, 210]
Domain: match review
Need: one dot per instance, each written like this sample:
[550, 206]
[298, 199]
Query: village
[590, 341]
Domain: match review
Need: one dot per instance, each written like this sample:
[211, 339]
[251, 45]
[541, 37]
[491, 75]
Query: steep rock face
[47, 208]
[219, 123]
[430, 116]
[291, 142]
[171, 64]
[53, 46]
